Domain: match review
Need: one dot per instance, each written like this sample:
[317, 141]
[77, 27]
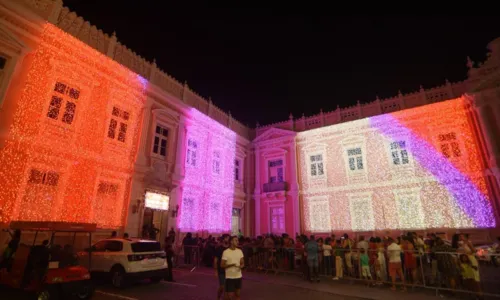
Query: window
[216, 162]
[276, 171]
[160, 141]
[317, 165]
[355, 159]
[449, 145]
[319, 214]
[118, 124]
[191, 153]
[105, 201]
[277, 219]
[43, 177]
[42, 186]
[236, 170]
[187, 210]
[63, 97]
[399, 153]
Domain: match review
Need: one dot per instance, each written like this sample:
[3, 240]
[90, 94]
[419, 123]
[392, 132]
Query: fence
[438, 271]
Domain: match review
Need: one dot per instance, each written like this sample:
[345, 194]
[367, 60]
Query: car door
[99, 263]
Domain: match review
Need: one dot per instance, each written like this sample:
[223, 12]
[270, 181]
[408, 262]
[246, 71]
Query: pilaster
[257, 191]
[180, 151]
[143, 142]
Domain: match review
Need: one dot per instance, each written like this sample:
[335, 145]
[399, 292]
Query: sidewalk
[348, 288]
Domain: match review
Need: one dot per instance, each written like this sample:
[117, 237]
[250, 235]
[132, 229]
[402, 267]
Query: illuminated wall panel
[70, 148]
[412, 169]
[208, 186]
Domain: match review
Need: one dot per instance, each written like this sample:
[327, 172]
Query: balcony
[275, 187]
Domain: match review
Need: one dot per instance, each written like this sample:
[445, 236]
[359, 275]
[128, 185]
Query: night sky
[263, 64]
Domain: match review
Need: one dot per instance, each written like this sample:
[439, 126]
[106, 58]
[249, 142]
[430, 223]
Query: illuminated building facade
[92, 132]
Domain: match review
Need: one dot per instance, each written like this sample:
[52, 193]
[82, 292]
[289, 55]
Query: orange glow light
[71, 147]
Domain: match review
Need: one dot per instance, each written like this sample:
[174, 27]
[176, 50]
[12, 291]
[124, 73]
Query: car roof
[131, 240]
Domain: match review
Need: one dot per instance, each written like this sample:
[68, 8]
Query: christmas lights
[71, 146]
[208, 186]
[413, 169]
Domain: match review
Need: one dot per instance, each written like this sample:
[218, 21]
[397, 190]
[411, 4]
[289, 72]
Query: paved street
[201, 285]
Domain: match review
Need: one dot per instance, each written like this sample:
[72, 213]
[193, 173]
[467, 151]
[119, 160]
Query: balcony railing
[275, 187]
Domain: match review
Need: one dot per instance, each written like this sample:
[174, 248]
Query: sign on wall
[156, 201]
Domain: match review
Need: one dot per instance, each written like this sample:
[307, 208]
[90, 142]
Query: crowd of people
[410, 258]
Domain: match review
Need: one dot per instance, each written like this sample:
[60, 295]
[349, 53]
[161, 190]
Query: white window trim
[269, 210]
[350, 143]
[361, 197]
[169, 139]
[325, 200]
[308, 157]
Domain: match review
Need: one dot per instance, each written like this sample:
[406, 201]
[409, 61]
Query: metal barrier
[439, 271]
[187, 256]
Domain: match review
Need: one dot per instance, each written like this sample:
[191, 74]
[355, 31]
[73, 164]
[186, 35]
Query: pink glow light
[208, 186]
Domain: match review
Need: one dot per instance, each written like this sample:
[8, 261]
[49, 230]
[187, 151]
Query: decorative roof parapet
[54, 12]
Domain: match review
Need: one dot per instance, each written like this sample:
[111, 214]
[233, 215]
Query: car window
[114, 246]
[146, 246]
[100, 246]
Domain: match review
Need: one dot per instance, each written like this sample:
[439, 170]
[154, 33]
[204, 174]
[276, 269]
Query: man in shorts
[220, 273]
[232, 262]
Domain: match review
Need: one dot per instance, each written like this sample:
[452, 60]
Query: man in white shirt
[395, 268]
[232, 262]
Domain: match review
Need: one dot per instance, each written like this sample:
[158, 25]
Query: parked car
[126, 260]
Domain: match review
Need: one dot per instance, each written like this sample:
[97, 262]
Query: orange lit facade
[72, 118]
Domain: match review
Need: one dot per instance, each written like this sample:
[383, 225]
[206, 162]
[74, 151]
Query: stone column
[143, 142]
[181, 148]
[257, 192]
[294, 188]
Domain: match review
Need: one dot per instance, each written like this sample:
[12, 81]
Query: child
[339, 255]
[468, 275]
[365, 266]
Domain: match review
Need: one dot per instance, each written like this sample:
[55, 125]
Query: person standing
[220, 273]
[312, 249]
[232, 262]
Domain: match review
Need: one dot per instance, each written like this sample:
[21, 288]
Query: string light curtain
[208, 186]
[418, 168]
[72, 141]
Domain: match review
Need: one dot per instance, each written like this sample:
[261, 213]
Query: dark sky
[262, 64]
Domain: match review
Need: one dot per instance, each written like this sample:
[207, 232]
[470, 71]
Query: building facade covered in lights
[92, 132]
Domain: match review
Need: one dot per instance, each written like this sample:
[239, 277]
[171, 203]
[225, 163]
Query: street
[203, 285]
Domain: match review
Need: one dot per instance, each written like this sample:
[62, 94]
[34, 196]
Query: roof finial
[114, 33]
[421, 88]
[400, 94]
[290, 116]
[470, 63]
[257, 124]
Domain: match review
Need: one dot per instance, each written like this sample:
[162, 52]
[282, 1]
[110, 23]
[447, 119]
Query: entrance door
[152, 219]
[235, 221]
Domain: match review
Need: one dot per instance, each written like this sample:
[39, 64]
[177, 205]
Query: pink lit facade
[216, 175]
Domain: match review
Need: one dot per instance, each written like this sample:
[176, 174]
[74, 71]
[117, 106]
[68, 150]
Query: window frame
[310, 164]
[271, 207]
[160, 136]
[79, 103]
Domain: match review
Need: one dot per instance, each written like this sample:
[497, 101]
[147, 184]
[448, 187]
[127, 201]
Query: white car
[125, 260]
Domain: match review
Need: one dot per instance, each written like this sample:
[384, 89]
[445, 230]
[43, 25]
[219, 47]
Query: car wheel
[48, 294]
[118, 277]
[85, 292]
